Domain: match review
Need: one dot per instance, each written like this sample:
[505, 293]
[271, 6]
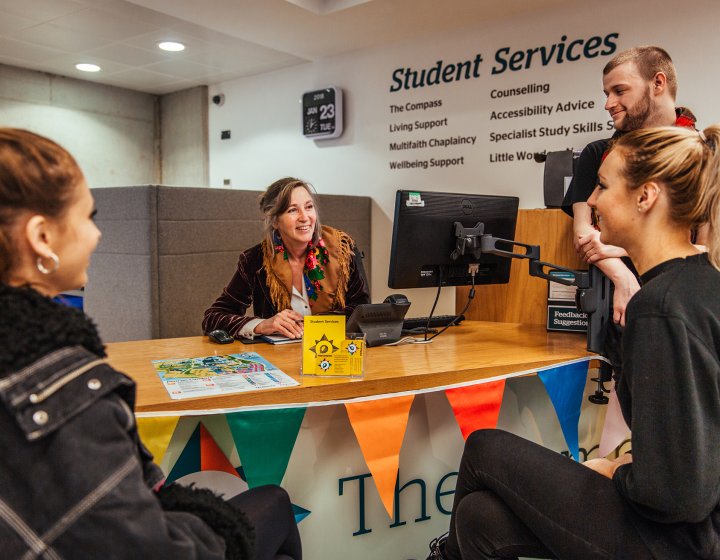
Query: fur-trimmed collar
[32, 325]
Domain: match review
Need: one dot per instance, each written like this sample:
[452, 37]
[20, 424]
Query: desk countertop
[472, 351]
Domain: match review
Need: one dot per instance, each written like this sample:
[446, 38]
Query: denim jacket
[75, 481]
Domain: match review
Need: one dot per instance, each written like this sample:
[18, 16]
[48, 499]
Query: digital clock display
[322, 113]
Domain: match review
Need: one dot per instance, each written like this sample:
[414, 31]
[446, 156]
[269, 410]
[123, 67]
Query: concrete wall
[184, 137]
[119, 137]
[110, 131]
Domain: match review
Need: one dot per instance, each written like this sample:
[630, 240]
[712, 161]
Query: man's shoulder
[596, 148]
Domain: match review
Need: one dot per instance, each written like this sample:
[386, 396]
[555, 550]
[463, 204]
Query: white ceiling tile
[150, 40]
[20, 50]
[40, 10]
[138, 78]
[237, 60]
[173, 87]
[68, 62]
[130, 10]
[110, 27]
[126, 54]
[184, 69]
[10, 23]
[60, 38]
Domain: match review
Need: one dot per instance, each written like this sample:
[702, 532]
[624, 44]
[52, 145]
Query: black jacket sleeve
[674, 476]
[246, 288]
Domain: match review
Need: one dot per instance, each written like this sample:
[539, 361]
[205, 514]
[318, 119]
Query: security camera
[218, 99]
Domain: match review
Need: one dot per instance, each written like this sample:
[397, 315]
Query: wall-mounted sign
[322, 112]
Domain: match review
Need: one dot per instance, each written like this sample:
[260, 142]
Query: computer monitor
[424, 237]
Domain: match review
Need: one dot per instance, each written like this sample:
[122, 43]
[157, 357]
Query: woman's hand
[603, 466]
[288, 323]
[623, 459]
[591, 249]
[625, 288]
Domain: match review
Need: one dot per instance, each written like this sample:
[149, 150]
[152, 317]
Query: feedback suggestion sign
[434, 134]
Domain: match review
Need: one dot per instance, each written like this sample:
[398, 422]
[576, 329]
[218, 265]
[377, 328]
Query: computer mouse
[219, 336]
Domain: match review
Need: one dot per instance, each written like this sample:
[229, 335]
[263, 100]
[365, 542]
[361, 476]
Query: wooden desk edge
[152, 396]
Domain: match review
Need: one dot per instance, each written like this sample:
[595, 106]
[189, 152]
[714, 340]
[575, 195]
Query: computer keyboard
[436, 321]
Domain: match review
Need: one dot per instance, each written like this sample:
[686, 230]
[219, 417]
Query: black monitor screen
[424, 238]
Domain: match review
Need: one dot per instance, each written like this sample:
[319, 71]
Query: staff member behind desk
[300, 268]
[662, 502]
[75, 480]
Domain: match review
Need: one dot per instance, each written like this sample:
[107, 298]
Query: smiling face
[614, 203]
[629, 99]
[74, 238]
[297, 223]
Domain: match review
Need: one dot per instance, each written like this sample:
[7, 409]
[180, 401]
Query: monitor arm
[593, 295]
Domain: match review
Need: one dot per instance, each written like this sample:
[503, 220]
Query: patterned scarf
[325, 273]
[316, 257]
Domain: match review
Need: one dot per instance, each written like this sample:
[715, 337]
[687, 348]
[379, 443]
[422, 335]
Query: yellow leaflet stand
[328, 351]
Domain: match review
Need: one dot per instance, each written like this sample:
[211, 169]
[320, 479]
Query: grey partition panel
[189, 284]
[167, 253]
[352, 215]
[121, 294]
[201, 232]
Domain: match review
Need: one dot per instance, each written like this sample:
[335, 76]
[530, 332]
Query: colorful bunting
[379, 427]
[300, 513]
[565, 386]
[265, 440]
[212, 457]
[201, 453]
[615, 430]
[189, 460]
[156, 433]
[476, 406]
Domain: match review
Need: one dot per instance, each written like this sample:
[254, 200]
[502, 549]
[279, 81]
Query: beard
[637, 116]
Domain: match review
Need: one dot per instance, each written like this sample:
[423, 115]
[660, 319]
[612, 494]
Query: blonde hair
[649, 60]
[687, 164]
[276, 200]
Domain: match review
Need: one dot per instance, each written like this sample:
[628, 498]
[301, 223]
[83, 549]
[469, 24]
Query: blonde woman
[515, 498]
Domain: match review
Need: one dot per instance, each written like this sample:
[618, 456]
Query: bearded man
[640, 85]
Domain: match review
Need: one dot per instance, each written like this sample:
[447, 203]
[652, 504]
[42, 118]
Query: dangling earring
[43, 269]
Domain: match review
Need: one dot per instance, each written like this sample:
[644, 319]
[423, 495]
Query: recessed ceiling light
[87, 67]
[172, 46]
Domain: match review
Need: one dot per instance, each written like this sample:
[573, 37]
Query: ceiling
[225, 39]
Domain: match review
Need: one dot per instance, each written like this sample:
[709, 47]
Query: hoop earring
[43, 269]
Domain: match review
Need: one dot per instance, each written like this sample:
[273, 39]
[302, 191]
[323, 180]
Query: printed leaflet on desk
[219, 375]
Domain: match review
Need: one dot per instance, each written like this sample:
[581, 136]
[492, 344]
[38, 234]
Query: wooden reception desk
[475, 350]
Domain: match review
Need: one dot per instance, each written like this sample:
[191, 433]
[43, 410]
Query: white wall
[263, 112]
[110, 131]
